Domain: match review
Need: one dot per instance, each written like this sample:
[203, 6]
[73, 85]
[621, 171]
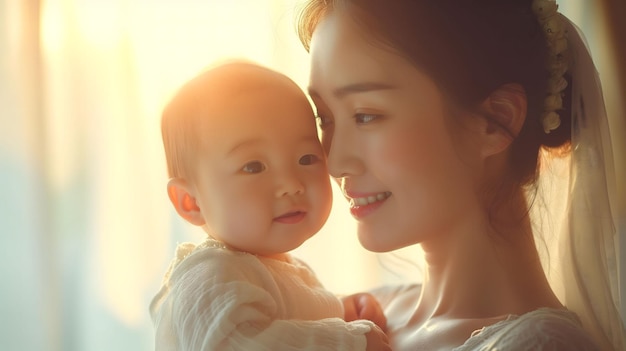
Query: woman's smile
[363, 204]
[369, 199]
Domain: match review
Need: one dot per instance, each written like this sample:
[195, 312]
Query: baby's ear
[505, 111]
[184, 201]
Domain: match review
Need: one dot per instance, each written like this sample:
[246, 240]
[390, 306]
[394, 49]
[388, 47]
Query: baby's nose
[289, 185]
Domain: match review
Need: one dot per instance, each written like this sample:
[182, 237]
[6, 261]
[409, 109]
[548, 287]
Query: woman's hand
[364, 306]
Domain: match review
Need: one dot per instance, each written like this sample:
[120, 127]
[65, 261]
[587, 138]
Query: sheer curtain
[86, 229]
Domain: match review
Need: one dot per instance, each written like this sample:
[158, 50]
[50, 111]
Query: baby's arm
[242, 319]
[209, 313]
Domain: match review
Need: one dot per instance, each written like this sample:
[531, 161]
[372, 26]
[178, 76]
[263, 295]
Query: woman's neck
[476, 271]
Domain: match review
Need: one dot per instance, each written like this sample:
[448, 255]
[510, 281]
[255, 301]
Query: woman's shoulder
[541, 329]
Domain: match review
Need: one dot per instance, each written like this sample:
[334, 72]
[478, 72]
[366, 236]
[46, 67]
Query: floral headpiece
[554, 29]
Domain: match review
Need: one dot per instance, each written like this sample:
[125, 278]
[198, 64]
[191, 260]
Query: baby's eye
[308, 159]
[253, 167]
[364, 118]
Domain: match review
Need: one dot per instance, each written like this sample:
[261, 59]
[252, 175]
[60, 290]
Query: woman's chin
[379, 240]
[374, 242]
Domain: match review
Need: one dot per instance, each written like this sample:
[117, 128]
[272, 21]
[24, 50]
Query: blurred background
[86, 229]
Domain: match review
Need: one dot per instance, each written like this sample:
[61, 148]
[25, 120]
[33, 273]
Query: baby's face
[262, 185]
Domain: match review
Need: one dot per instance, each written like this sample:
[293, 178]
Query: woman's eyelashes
[359, 118]
[323, 122]
[365, 118]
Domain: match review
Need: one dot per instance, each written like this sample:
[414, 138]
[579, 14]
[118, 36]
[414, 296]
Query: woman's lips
[366, 199]
[291, 217]
[363, 204]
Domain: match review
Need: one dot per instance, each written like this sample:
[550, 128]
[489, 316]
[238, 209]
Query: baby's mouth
[291, 217]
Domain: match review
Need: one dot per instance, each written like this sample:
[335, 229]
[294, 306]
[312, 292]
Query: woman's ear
[184, 201]
[505, 111]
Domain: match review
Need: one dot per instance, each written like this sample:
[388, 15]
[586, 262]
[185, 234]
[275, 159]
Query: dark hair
[469, 48]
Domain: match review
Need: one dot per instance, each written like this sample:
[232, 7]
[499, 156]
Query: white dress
[544, 329]
[214, 298]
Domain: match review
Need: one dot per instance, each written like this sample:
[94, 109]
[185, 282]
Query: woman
[433, 116]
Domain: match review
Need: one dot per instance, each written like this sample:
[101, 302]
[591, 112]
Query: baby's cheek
[242, 218]
[321, 197]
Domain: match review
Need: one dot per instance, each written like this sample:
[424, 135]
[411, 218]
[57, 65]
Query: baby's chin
[283, 248]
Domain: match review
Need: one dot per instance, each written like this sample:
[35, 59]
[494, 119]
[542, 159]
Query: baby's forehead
[227, 87]
[235, 97]
[223, 88]
[235, 78]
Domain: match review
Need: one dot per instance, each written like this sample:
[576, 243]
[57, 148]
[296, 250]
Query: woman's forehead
[343, 56]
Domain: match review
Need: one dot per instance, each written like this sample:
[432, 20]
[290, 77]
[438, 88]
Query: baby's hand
[364, 306]
[377, 340]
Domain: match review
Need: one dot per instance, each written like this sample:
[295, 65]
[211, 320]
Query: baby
[246, 165]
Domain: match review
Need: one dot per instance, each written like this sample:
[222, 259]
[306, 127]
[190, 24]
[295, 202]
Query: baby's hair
[185, 118]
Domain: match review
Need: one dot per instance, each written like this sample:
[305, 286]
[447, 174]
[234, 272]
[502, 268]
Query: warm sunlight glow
[93, 51]
[51, 25]
[86, 225]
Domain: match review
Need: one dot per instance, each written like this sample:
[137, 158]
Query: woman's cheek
[404, 154]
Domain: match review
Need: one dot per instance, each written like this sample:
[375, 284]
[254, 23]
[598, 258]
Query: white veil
[581, 236]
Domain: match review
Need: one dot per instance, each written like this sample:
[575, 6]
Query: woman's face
[384, 129]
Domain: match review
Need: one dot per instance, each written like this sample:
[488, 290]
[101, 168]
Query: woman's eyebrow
[355, 88]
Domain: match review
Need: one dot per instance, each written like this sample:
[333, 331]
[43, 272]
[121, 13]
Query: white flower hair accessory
[554, 29]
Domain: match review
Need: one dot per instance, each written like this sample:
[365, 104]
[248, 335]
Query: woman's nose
[343, 155]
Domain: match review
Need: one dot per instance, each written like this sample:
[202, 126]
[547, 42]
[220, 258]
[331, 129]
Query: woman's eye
[308, 159]
[253, 167]
[364, 118]
[323, 122]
